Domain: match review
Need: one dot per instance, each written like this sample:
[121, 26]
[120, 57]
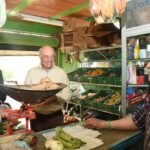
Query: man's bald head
[46, 49]
[47, 56]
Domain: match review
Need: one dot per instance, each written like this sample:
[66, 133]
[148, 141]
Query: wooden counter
[120, 140]
[117, 139]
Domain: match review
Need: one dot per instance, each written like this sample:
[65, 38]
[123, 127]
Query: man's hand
[94, 123]
[45, 80]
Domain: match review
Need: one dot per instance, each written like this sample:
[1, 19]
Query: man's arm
[124, 123]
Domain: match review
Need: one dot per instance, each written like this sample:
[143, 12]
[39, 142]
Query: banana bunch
[68, 141]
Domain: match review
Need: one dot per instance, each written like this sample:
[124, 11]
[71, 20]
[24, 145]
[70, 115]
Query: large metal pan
[24, 93]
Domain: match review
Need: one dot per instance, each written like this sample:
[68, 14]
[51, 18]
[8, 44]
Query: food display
[69, 119]
[43, 86]
[108, 100]
[95, 72]
[88, 95]
[114, 99]
[97, 75]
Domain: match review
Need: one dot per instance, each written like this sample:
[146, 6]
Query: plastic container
[148, 50]
[131, 52]
[131, 73]
[136, 52]
[143, 53]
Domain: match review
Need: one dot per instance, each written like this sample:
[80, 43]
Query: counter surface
[116, 139]
[119, 139]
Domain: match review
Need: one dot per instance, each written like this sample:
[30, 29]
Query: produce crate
[110, 75]
[101, 96]
[102, 105]
[85, 97]
[115, 99]
[77, 75]
[94, 103]
[85, 101]
[112, 108]
[117, 80]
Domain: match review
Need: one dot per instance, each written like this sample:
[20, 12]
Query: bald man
[44, 72]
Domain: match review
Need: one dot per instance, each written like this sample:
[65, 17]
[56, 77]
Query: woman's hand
[94, 123]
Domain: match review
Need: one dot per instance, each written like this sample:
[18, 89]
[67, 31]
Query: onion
[54, 144]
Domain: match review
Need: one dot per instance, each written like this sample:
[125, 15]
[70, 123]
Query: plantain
[62, 134]
[66, 144]
[68, 141]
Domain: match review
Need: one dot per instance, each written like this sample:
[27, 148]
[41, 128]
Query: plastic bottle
[145, 73]
[130, 51]
[148, 50]
[136, 52]
[131, 44]
[140, 75]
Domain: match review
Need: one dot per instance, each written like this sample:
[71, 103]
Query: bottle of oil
[136, 52]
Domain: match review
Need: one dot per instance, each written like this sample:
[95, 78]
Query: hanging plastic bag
[2, 13]
[107, 10]
[95, 9]
[102, 10]
[120, 6]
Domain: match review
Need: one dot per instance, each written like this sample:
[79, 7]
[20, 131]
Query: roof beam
[71, 10]
[22, 5]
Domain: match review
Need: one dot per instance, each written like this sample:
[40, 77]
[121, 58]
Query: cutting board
[7, 142]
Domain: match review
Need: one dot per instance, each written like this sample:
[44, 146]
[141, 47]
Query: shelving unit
[130, 29]
[105, 86]
[124, 65]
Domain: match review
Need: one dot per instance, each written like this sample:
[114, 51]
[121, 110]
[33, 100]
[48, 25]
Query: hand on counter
[94, 123]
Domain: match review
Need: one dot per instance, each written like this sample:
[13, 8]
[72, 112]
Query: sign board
[138, 13]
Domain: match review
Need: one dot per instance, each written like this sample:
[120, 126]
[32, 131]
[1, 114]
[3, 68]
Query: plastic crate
[86, 101]
[103, 94]
[77, 75]
[117, 80]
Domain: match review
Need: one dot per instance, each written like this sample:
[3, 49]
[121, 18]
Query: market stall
[102, 71]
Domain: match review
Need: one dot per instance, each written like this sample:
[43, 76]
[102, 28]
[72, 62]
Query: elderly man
[45, 72]
[139, 120]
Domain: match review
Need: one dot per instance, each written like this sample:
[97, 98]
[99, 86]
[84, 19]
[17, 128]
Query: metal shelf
[98, 49]
[110, 60]
[102, 48]
[108, 85]
[141, 59]
[138, 85]
[100, 110]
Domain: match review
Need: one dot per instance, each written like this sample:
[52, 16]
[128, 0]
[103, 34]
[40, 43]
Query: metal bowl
[24, 93]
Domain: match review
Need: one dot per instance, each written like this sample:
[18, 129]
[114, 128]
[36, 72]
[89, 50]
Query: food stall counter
[115, 139]
[120, 139]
